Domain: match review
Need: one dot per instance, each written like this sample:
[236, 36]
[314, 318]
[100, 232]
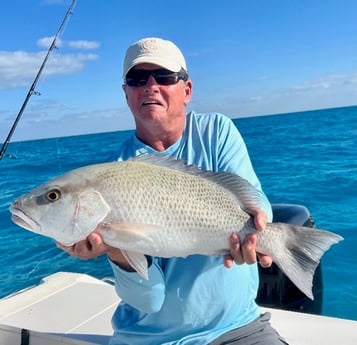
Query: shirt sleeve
[233, 157]
[145, 295]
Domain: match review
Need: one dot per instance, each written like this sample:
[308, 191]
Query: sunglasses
[139, 77]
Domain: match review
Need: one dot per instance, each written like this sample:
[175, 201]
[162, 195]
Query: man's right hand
[92, 247]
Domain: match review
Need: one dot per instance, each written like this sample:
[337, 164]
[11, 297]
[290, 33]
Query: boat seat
[290, 213]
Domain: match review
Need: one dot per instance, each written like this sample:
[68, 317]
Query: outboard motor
[275, 289]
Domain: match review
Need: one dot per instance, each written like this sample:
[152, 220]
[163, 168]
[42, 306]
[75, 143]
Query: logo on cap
[149, 45]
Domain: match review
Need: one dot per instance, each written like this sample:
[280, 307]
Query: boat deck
[76, 309]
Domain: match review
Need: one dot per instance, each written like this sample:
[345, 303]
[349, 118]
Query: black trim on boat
[25, 337]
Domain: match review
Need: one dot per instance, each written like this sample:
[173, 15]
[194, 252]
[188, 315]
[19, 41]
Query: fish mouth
[21, 219]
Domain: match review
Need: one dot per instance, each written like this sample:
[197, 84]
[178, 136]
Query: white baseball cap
[156, 51]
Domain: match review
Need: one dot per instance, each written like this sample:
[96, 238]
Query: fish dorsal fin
[167, 162]
[249, 198]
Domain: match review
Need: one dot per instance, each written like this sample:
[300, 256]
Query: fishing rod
[32, 88]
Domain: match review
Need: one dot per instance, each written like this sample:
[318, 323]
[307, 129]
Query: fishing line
[32, 88]
[58, 155]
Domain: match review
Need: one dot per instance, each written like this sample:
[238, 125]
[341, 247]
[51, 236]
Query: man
[193, 300]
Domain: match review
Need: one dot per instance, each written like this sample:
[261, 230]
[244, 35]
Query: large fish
[159, 206]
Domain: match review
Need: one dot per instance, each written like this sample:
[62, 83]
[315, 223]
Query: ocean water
[307, 158]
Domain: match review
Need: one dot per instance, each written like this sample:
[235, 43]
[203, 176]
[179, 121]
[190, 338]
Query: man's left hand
[245, 252]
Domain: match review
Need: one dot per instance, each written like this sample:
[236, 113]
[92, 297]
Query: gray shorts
[257, 332]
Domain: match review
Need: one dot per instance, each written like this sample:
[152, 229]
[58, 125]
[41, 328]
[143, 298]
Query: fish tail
[304, 249]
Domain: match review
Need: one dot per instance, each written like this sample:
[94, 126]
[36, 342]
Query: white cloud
[19, 68]
[255, 99]
[46, 42]
[82, 44]
[16, 68]
[334, 90]
[325, 83]
[68, 63]
[49, 118]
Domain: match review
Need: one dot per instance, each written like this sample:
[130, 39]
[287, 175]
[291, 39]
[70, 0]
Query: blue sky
[246, 58]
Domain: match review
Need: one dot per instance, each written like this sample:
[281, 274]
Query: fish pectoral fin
[115, 234]
[138, 262]
[121, 235]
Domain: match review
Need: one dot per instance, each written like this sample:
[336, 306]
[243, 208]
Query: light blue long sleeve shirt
[189, 300]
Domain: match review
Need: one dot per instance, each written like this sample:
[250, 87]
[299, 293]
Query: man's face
[156, 102]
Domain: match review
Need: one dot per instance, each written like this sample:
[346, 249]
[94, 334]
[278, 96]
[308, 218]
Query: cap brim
[173, 67]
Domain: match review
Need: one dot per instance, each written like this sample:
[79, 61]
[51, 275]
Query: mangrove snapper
[158, 206]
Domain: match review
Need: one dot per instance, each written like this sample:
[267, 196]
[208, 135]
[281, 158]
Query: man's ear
[124, 89]
[187, 91]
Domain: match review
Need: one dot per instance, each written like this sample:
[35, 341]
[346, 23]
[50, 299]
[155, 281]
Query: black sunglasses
[139, 77]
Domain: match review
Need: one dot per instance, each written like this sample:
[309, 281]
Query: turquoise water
[308, 158]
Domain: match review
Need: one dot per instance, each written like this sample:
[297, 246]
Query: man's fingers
[236, 250]
[82, 249]
[265, 260]
[248, 249]
[90, 248]
[245, 252]
[260, 220]
[67, 249]
[228, 261]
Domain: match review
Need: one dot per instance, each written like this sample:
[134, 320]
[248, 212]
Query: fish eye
[53, 195]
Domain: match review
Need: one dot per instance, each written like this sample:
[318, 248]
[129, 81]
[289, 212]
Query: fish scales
[183, 205]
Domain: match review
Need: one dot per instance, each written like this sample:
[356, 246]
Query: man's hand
[245, 252]
[92, 247]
